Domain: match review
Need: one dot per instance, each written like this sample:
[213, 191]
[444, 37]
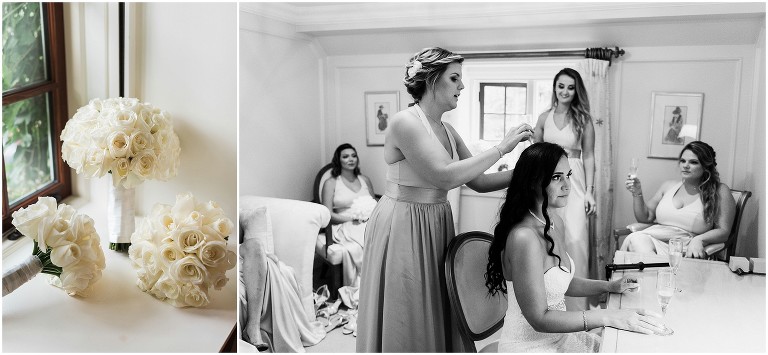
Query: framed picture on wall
[379, 107]
[675, 121]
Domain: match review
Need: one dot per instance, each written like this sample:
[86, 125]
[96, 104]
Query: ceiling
[346, 28]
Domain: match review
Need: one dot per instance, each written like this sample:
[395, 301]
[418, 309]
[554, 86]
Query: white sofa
[295, 225]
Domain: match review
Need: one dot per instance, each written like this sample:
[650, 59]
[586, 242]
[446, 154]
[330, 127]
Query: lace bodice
[517, 333]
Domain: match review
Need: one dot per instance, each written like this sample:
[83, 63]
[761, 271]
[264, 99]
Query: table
[117, 317]
[716, 311]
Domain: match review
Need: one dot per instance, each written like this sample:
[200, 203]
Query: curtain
[601, 249]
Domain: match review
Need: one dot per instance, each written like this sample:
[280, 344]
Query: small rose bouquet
[65, 245]
[179, 252]
[361, 208]
[133, 141]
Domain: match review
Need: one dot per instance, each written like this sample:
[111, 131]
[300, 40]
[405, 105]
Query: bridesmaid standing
[569, 124]
[403, 297]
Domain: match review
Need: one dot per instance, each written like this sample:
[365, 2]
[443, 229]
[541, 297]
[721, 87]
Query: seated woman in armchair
[349, 196]
[699, 209]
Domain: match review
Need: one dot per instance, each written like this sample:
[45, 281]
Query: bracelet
[639, 194]
[498, 149]
[584, 316]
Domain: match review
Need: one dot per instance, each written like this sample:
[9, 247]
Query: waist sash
[415, 194]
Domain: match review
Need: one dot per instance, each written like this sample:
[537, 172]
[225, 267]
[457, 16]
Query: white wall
[187, 66]
[725, 75]
[281, 136]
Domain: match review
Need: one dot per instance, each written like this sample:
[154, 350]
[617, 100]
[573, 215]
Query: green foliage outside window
[27, 140]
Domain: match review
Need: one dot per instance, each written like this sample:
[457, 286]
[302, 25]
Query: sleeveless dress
[517, 335]
[404, 304]
[685, 223]
[574, 217]
[349, 234]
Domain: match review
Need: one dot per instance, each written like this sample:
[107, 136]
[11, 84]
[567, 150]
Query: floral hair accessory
[179, 252]
[415, 67]
[65, 245]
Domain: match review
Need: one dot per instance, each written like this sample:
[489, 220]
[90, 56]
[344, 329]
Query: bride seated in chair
[349, 196]
[528, 259]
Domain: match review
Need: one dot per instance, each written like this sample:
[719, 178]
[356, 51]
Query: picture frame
[675, 122]
[379, 107]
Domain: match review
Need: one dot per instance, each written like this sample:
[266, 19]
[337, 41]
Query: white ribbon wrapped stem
[21, 273]
[121, 211]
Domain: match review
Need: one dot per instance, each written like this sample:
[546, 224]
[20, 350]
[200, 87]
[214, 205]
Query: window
[509, 104]
[34, 105]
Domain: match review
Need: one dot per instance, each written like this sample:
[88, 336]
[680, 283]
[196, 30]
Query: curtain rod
[595, 53]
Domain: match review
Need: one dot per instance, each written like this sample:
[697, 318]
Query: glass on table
[665, 289]
[675, 253]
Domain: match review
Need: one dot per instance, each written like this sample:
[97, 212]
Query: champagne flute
[633, 168]
[665, 289]
[675, 253]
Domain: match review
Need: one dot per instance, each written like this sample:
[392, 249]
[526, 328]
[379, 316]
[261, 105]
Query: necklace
[425, 114]
[539, 219]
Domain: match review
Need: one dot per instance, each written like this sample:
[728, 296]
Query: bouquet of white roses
[65, 245]
[361, 208]
[133, 141]
[179, 252]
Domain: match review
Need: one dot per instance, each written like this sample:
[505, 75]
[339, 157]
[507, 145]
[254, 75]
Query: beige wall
[281, 136]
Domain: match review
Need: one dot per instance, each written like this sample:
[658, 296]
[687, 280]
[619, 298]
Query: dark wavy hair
[532, 175]
[336, 161]
[710, 181]
[579, 110]
[434, 61]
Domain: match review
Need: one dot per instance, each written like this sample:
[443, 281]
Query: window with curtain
[34, 105]
[505, 105]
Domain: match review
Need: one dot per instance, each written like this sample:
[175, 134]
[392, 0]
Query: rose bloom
[140, 140]
[36, 218]
[77, 279]
[189, 240]
[218, 280]
[65, 255]
[212, 253]
[169, 253]
[168, 287]
[125, 119]
[143, 164]
[97, 162]
[223, 226]
[188, 269]
[194, 296]
[119, 144]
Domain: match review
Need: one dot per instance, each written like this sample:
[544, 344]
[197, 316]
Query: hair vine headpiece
[415, 67]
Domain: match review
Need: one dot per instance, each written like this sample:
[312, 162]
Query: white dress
[574, 216]
[517, 335]
[349, 234]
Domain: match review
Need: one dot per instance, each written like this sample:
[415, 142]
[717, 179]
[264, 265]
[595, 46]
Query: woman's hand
[590, 206]
[695, 249]
[623, 285]
[635, 320]
[522, 133]
[633, 184]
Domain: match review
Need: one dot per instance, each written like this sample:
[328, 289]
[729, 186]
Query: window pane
[493, 127]
[23, 45]
[493, 99]
[543, 99]
[516, 100]
[27, 147]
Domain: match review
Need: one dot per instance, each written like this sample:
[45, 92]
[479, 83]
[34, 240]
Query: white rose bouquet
[133, 141]
[361, 208]
[65, 245]
[179, 252]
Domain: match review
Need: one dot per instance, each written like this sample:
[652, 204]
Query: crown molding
[334, 18]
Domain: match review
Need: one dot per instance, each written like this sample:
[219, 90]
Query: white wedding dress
[517, 335]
